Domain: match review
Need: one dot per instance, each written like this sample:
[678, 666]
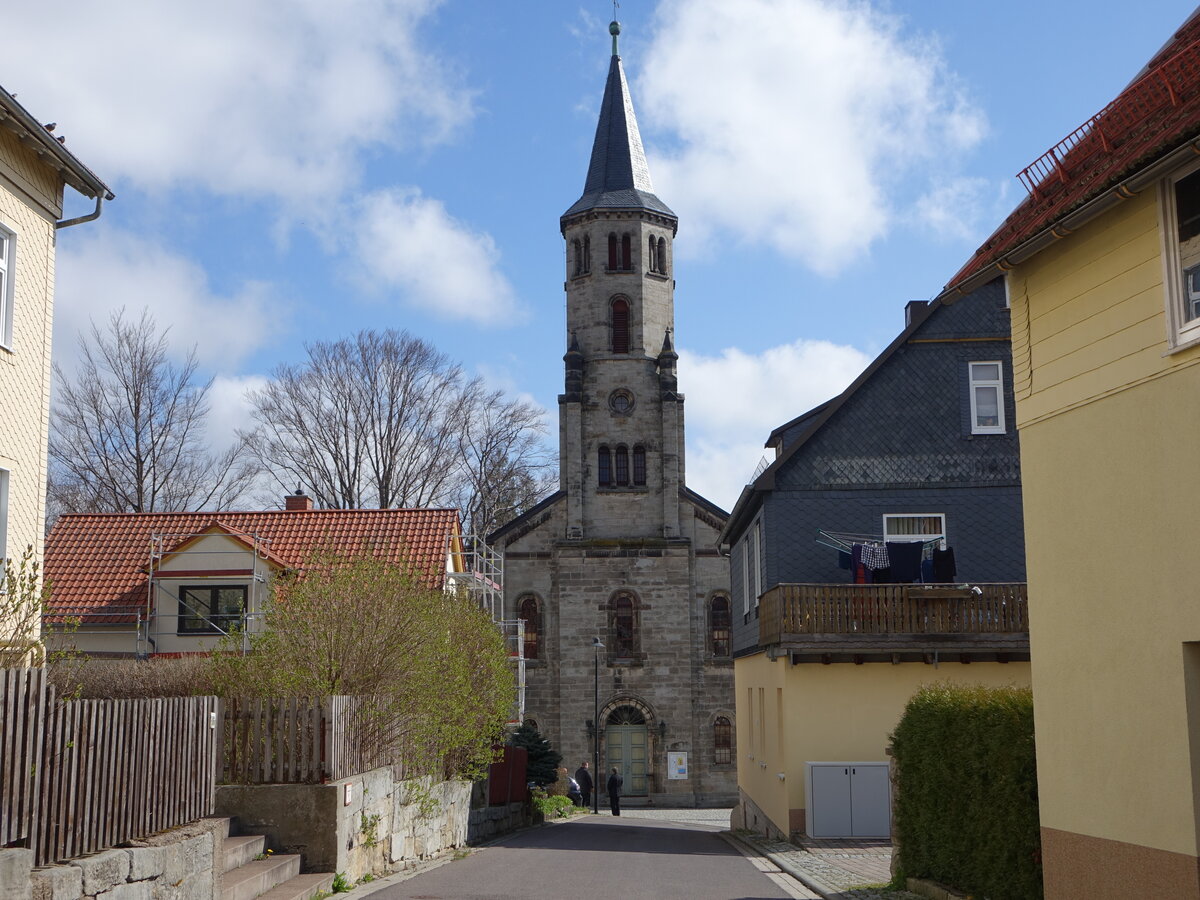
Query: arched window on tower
[587, 253]
[661, 256]
[622, 466]
[639, 465]
[604, 467]
[528, 613]
[623, 627]
[626, 253]
[620, 325]
[578, 248]
[722, 741]
[613, 257]
[652, 254]
[719, 622]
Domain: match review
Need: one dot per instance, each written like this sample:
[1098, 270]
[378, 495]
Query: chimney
[298, 500]
[911, 307]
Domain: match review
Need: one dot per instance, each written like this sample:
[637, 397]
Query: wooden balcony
[851, 622]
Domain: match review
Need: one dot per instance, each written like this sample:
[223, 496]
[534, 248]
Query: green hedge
[966, 804]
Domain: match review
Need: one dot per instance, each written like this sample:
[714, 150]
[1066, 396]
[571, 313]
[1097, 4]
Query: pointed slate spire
[618, 177]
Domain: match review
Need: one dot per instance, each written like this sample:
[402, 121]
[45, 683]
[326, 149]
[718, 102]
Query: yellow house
[1105, 293]
[34, 168]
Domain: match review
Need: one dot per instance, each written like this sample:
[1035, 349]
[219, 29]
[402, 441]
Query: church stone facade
[624, 553]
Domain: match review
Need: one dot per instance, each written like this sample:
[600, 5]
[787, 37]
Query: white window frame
[8, 256]
[1181, 332]
[5, 478]
[923, 537]
[998, 384]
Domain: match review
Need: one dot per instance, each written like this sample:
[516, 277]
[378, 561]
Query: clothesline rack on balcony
[844, 541]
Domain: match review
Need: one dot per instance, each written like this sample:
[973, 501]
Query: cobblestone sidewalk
[836, 872]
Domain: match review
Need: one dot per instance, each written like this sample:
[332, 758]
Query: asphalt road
[603, 858]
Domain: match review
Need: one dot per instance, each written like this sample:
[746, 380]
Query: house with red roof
[149, 584]
[1102, 264]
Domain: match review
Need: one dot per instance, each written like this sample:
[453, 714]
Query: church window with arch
[604, 474]
[577, 247]
[623, 638]
[720, 621]
[619, 316]
[639, 465]
[614, 252]
[661, 256]
[529, 612]
[722, 741]
[626, 253]
[622, 466]
[587, 254]
[652, 254]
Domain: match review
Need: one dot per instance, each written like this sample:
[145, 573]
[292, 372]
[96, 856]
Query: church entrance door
[625, 748]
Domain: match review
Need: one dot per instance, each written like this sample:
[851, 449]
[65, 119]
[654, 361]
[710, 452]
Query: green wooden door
[625, 748]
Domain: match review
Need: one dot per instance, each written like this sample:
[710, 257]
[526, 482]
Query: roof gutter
[1073, 221]
[79, 220]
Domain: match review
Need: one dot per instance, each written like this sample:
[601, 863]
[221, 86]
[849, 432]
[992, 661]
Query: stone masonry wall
[180, 864]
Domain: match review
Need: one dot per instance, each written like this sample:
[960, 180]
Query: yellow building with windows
[1105, 295]
[34, 169]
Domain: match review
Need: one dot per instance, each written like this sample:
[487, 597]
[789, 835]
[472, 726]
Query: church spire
[617, 177]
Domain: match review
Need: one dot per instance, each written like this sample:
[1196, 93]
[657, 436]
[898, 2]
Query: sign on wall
[677, 765]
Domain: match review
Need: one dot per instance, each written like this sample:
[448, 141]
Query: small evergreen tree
[542, 767]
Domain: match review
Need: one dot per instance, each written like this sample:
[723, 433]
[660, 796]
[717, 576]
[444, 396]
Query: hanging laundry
[843, 559]
[858, 571]
[944, 569]
[875, 556]
[905, 557]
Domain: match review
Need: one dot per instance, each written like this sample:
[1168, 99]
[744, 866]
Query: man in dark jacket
[614, 791]
[584, 776]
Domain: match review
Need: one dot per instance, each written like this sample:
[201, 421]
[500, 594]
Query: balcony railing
[887, 614]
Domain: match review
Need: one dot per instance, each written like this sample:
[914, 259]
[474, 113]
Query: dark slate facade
[899, 440]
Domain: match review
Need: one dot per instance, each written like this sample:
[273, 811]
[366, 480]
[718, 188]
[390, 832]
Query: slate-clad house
[922, 447]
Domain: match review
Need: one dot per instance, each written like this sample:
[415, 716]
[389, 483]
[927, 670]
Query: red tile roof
[96, 564]
[1158, 112]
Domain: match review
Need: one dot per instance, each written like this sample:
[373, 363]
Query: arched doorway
[625, 746]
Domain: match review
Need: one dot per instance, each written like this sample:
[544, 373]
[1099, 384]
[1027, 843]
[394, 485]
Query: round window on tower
[621, 402]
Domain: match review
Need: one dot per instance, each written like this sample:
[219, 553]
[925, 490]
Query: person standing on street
[584, 776]
[614, 791]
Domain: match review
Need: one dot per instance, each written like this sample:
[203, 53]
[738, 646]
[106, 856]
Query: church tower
[616, 575]
[620, 415]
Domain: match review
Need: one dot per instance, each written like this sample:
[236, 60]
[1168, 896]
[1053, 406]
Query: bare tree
[128, 431]
[383, 419]
[505, 468]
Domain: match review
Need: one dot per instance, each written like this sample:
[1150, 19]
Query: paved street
[628, 858]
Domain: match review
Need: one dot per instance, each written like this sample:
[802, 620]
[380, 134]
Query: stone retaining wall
[180, 864]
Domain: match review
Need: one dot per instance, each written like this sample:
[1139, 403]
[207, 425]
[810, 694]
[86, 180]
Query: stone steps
[277, 877]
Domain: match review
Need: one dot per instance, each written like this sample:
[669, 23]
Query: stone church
[624, 553]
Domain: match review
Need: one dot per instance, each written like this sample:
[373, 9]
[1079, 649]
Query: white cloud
[228, 408]
[735, 400]
[798, 123]
[108, 269]
[408, 243]
[240, 97]
[954, 209]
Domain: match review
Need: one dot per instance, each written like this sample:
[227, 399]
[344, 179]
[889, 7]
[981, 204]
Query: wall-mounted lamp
[591, 728]
[662, 730]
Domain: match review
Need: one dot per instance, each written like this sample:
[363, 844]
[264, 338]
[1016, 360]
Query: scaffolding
[477, 573]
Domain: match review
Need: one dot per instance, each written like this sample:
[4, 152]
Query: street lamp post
[596, 648]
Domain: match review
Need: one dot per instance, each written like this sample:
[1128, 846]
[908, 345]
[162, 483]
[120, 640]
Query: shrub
[967, 806]
[541, 767]
[429, 669]
[116, 679]
[552, 806]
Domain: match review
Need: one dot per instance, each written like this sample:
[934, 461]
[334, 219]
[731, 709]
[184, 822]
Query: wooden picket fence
[296, 741]
[84, 775]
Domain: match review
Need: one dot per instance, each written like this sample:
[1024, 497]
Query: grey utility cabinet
[849, 799]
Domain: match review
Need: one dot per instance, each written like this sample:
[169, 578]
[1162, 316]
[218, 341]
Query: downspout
[90, 217]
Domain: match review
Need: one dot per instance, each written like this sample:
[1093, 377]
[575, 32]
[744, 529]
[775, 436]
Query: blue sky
[291, 171]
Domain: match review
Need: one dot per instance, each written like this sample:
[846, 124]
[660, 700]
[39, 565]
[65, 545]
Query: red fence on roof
[1109, 140]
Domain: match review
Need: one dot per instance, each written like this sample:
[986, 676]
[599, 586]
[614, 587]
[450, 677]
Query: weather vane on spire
[614, 28]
